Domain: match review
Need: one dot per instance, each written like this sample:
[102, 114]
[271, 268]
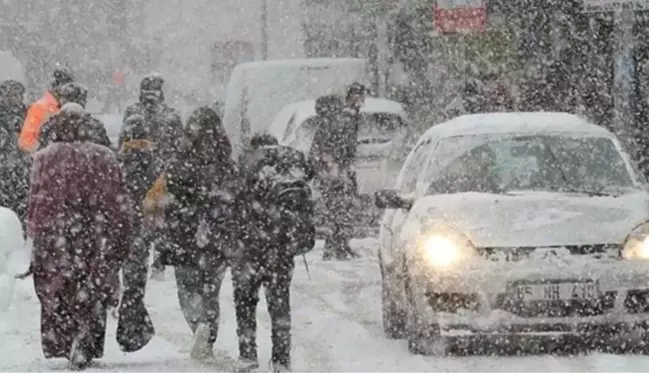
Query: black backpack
[278, 180]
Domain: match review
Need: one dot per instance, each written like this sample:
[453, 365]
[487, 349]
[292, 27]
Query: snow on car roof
[473, 124]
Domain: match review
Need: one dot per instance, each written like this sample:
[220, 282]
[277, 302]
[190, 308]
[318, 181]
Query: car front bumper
[478, 300]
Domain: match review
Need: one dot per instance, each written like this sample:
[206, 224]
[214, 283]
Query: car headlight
[445, 249]
[636, 246]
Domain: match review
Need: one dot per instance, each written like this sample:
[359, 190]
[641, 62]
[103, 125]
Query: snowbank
[11, 241]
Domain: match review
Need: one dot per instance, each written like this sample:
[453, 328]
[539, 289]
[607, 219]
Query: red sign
[118, 77]
[460, 16]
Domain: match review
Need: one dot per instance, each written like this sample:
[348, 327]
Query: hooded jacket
[164, 124]
[199, 170]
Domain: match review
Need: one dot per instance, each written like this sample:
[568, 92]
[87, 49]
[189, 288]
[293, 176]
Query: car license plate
[558, 291]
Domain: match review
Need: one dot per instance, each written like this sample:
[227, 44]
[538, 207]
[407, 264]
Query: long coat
[165, 126]
[79, 216]
[14, 164]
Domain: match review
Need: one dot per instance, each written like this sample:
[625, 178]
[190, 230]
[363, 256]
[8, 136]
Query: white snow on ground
[11, 243]
[336, 327]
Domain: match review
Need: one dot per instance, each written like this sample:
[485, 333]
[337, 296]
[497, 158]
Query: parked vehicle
[258, 90]
[509, 228]
[385, 124]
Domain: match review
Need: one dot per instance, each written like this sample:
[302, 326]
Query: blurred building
[173, 37]
[352, 28]
[187, 30]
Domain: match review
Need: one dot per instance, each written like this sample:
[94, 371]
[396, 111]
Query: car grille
[512, 254]
[558, 308]
[555, 308]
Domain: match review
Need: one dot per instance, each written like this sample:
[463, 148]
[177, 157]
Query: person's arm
[30, 133]
[117, 207]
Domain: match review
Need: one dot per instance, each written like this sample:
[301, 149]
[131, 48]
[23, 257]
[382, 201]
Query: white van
[259, 90]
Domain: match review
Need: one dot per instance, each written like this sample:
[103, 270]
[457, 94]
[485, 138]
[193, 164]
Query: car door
[376, 133]
[393, 219]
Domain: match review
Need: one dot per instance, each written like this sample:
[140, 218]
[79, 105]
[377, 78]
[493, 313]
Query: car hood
[534, 219]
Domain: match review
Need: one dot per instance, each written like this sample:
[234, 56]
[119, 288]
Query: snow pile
[11, 241]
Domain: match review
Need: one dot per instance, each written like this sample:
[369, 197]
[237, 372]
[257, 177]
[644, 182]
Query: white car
[385, 123]
[506, 225]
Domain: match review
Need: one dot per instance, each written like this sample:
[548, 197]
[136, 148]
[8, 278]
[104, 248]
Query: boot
[328, 252]
[157, 272]
[349, 253]
[276, 367]
[202, 349]
[244, 365]
[79, 357]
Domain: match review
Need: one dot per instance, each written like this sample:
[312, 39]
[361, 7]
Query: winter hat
[61, 76]
[72, 93]
[11, 86]
[135, 128]
[151, 88]
[69, 123]
[328, 105]
[203, 121]
[356, 89]
[204, 127]
[263, 139]
[152, 82]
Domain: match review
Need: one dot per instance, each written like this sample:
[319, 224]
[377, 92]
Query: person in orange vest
[40, 111]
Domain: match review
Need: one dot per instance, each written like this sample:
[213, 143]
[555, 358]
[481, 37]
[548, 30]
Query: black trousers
[199, 289]
[136, 268]
[247, 279]
[340, 215]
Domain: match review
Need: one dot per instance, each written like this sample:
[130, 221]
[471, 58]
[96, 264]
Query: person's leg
[246, 282]
[211, 293]
[135, 270]
[189, 282]
[278, 298]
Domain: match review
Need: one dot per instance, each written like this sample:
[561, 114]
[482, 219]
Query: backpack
[278, 178]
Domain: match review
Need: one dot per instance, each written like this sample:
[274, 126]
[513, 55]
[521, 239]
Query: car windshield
[378, 127]
[374, 128]
[589, 165]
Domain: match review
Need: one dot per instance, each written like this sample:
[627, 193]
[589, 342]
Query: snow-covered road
[336, 327]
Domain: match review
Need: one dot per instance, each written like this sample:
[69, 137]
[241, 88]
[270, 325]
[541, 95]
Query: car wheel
[394, 318]
[422, 339]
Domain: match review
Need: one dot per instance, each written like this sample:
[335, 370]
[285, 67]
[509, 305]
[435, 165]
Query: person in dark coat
[93, 129]
[79, 218]
[15, 166]
[39, 111]
[334, 154]
[165, 130]
[275, 223]
[199, 170]
[165, 123]
[136, 159]
[12, 106]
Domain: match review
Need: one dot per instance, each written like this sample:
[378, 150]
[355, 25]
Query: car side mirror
[389, 199]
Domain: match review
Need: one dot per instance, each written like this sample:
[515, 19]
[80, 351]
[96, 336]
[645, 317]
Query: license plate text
[558, 291]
